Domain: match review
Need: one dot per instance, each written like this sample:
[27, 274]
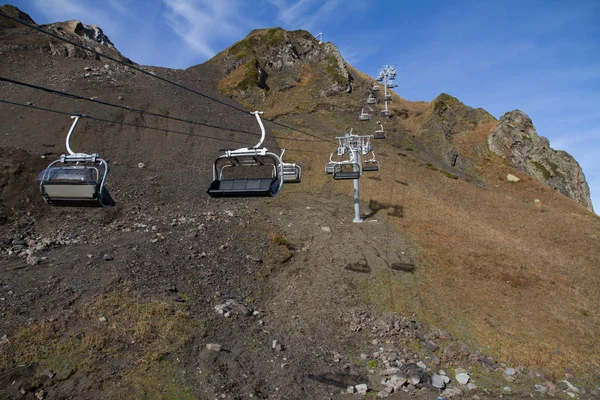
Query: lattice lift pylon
[354, 146]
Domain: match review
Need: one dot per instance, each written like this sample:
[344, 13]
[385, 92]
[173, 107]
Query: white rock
[397, 381]
[361, 389]
[507, 389]
[471, 386]
[541, 388]
[571, 387]
[422, 365]
[326, 229]
[462, 378]
[213, 347]
[141, 165]
[102, 319]
[439, 381]
[512, 178]
[350, 389]
[510, 371]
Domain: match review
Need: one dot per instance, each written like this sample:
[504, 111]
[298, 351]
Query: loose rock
[361, 389]
[439, 381]
[213, 347]
[462, 378]
[512, 178]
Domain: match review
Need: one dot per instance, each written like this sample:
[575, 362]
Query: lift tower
[354, 146]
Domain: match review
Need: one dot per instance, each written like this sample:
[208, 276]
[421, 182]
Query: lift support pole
[356, 156]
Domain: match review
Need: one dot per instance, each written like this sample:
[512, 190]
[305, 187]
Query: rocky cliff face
[516, 140]
[15, 36]
[448, 117]
[269, 62]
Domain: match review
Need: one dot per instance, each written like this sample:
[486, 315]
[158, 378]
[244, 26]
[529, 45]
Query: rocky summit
[474, 273]
[516, 140]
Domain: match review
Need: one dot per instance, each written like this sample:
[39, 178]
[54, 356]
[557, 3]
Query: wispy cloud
[305, 14]
[202, 22]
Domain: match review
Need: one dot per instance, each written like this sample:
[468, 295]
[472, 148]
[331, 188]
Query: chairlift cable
[135, 110]
[143, 71]
[142, 126]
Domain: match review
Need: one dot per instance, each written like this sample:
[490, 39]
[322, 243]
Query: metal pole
[356, 156]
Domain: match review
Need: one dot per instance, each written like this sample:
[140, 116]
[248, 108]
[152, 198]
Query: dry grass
[141, 334]
[510, 276]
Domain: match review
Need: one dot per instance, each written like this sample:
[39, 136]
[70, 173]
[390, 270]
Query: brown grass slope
[512, 268]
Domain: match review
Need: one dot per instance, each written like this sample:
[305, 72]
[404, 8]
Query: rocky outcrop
[15, 13]
[275, 60]
[91, 33]
[449, 116]
[91, 36]
[516, 140]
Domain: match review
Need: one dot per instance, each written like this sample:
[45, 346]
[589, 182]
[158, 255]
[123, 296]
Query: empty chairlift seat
[261, 171]
[292, 173]
[379, 133]
[76, 179]
[346, 170]
[249, 187]
[364, 116]
[75, 185]
[371, 100]
[370, 166]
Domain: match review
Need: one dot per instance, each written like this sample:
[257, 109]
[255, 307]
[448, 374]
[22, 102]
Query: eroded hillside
[454, 267]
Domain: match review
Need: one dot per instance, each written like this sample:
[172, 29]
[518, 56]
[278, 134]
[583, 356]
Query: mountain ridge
[454, 254]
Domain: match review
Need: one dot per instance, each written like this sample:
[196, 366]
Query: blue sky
[542, 57]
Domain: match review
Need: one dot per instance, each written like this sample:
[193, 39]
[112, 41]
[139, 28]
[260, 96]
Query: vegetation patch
[542, 169]
[251, 76]
[333, 70]
[274, 37]
[554, 169]
[449, 174]
[141, 334]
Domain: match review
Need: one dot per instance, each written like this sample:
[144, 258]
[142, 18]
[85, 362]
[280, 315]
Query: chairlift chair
[371, 165]
[330, 166]
[364, 116]
[76, 179]
[346, 170]
[387, 97]
[384, 114]
[375, 87]
[379, 133]
[292, 172]
[391, 85]
[371, 100]
[255, 159]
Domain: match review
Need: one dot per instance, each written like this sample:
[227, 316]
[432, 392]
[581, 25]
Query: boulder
[516, 140]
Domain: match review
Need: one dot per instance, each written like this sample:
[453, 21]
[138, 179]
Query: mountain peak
[15, 13]
[269, 62]
[516, 139]
[90, 36]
